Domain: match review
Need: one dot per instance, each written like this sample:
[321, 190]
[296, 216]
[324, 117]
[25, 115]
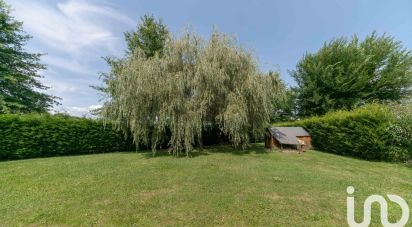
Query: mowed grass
[220, 187]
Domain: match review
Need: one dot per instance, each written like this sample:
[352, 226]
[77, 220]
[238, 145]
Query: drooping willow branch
[194, 85]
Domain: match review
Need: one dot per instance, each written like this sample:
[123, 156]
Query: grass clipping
[194, 86]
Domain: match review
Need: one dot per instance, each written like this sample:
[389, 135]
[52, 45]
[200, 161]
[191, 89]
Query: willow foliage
[196, 85]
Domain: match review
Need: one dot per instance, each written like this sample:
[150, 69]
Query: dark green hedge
[44, 135]
[366, 133]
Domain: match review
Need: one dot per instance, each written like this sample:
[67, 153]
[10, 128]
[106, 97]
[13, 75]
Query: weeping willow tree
[196, 85]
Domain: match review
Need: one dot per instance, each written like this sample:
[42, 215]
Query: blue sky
[76, 34]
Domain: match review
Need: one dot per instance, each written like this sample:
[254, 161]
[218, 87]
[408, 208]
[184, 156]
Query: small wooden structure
[288, 137]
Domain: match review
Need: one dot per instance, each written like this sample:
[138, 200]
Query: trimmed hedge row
[45, 135]
[366, 132]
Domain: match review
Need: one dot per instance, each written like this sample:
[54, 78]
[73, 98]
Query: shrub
[367, 132]
[44, 135]
[401, 131]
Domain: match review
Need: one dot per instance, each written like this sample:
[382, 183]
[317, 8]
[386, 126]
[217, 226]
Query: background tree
[194, 86]
[19, 85]
[150, 36]
[285, 107]
[347, 73]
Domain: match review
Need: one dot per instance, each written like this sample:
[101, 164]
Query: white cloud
[93, 107]
[72, 25]
[58, 88]
[70, 64]
[80, 111]
[75, 34]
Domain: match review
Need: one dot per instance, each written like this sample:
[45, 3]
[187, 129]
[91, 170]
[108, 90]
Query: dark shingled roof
[287, 135]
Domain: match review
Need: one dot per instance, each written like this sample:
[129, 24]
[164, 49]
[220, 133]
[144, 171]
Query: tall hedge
[44, 135]
[367, 132]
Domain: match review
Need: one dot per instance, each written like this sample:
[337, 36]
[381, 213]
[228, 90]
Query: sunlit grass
[219, 187]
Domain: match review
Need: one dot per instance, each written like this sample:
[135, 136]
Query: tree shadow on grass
[251, 149]
[256, 148]
[166, 153]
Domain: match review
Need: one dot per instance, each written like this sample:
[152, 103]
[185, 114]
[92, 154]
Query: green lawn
[221, 187]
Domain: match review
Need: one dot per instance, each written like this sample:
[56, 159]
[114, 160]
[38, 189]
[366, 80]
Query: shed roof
[287, 135]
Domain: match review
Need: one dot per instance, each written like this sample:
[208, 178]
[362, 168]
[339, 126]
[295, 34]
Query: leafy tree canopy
[150, 36]
[347, 73]
[19, 85]
[194, 86]
[285, 107]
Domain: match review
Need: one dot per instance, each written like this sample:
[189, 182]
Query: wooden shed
[288, 137]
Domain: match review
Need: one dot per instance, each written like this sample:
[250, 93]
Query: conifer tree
[20, 88]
